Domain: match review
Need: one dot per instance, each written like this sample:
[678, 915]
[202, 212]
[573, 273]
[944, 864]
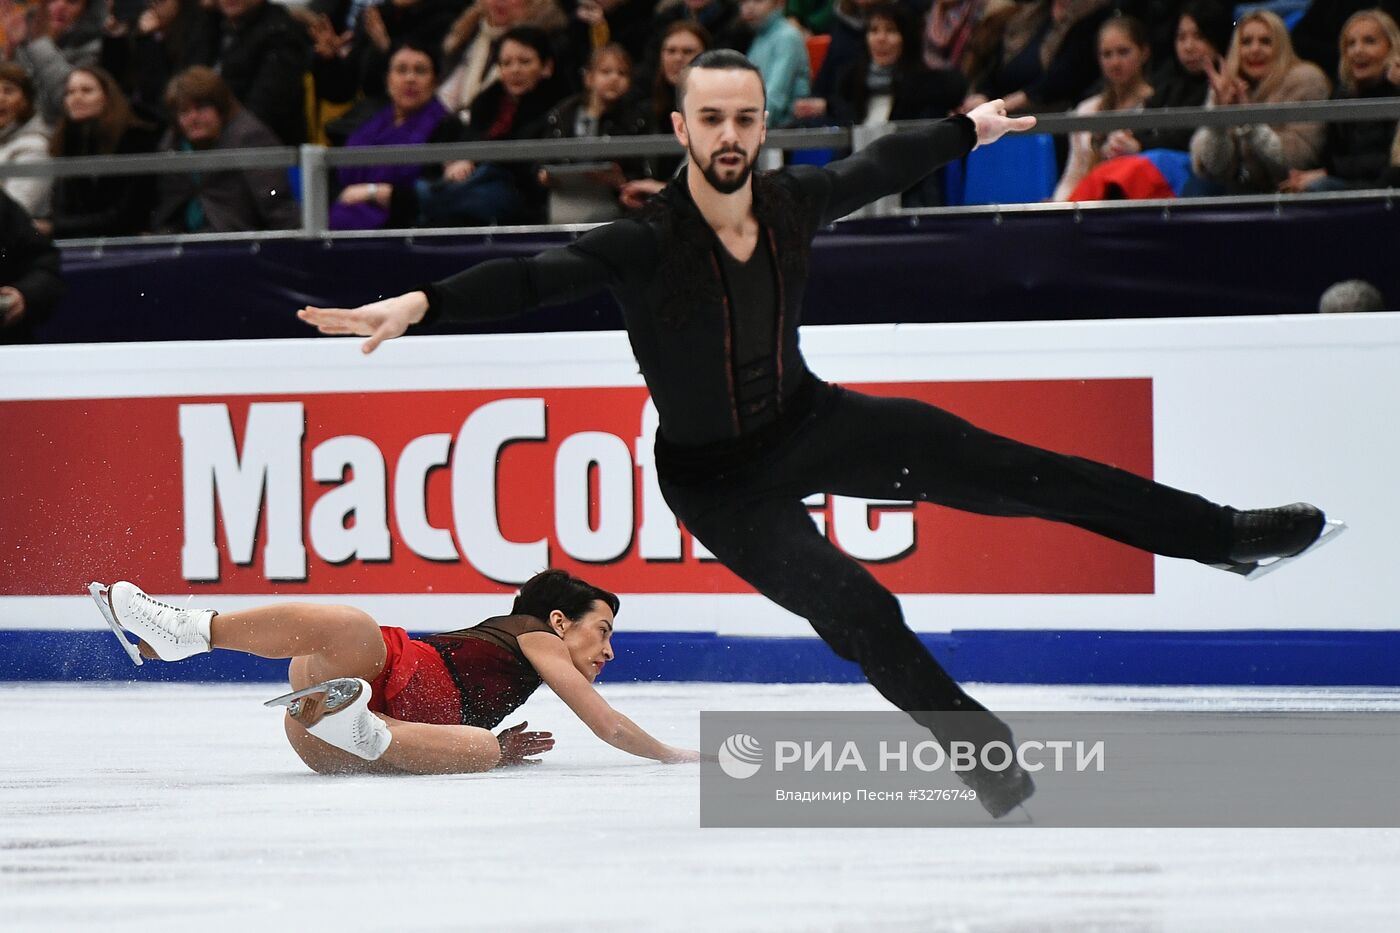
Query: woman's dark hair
[532, 36]
[904, 22]
[116, 117]
[854, 83]
[11, 73]
[1212, 19]
[663, 94]
[414, 44]
[557, 589]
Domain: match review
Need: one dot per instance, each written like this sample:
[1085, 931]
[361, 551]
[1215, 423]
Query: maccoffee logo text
[598, 516]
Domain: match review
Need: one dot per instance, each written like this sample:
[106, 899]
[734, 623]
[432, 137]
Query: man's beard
[711, 171]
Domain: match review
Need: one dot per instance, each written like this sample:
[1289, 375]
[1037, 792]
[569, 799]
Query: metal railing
[317, 162]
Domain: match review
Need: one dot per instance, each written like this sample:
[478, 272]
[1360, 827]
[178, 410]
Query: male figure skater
[710, 280]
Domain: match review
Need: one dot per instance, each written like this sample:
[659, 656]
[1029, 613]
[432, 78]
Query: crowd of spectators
[94, 77]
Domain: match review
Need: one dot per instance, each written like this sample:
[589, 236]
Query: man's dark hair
[557, 589]
[717, 60]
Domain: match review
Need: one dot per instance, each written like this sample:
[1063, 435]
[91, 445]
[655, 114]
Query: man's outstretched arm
[500, 288]
[898, 161]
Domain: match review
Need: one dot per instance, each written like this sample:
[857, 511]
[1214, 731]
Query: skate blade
[287, 699]
[98, 592]
[1330, 531]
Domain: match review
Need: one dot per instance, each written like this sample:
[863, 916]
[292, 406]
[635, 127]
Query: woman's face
[1193, 50]
[608, 81]
[677, 52]
[1120, 59]
[12, 103]
[410, 80]
[589, 640]
[63, 14]
[83, 97]
[1365, 51]
[521, 68]
[1257, 50]
[885, 43]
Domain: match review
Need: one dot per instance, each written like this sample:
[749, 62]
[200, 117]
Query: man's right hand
[992, 122]
[379, 321]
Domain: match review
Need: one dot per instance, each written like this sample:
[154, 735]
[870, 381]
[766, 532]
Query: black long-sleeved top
[1174, 87]
[666, 270]
[29, 263]
[1358, 153]
[262, 57]
[364, 68]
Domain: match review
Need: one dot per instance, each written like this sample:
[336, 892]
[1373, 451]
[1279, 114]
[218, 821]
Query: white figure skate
[337, 713]
[173, 634]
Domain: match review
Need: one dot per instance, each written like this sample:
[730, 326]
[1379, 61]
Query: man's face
[723, 125]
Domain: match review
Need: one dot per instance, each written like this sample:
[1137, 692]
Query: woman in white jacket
[24, 137]
[1124, 48]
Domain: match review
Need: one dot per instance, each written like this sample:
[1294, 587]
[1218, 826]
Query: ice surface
[126, 807]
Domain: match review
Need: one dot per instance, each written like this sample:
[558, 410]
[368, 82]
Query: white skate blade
[98, 592]
[1330, 531]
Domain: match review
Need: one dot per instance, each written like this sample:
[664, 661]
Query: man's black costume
[746, 431]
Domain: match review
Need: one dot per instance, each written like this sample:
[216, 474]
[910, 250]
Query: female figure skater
[370, 699]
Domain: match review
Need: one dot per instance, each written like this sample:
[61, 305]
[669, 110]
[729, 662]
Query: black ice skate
[999, 792]
[1266, 539]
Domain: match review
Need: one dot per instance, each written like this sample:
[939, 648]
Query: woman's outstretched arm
[551, 661]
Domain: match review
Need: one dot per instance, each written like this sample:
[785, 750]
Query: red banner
[470, 491]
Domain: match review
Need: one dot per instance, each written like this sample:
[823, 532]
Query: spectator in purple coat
[375, 196]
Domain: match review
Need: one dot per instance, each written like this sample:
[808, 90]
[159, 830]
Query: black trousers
[850, 444]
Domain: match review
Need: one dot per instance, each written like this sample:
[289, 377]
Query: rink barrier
[115, 457]
[1237, 658]
[1201, 258]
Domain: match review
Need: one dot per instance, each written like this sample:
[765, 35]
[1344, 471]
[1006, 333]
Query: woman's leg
[417, 747]
[326, 642]
[330, 641]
